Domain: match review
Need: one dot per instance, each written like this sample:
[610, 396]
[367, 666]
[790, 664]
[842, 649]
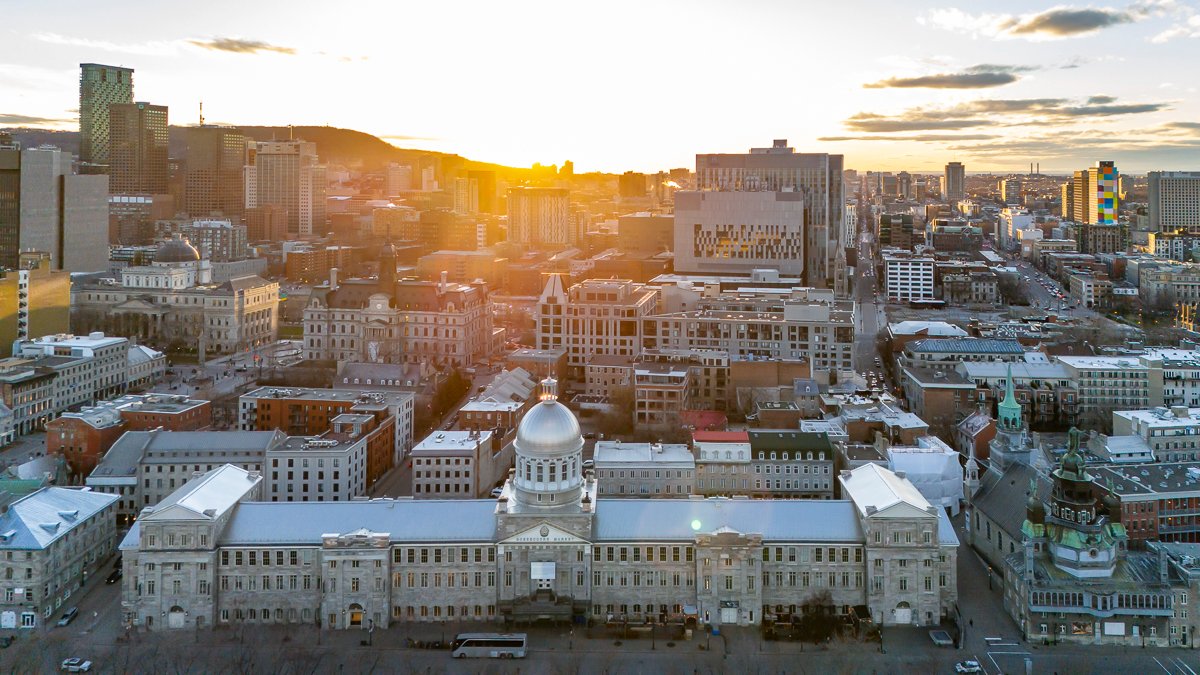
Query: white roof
[1103, 362]
[1020, 371]
[871, 485]
[452, 440]
[37, 520]
[616, 454]
[931, 328]
[210, 495]
[1160, 417]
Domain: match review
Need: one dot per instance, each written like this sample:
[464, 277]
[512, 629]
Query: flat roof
[617, 453]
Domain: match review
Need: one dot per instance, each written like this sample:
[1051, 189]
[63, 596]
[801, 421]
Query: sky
[627, 85]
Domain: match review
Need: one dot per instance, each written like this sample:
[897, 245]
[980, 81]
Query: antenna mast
[201, 113]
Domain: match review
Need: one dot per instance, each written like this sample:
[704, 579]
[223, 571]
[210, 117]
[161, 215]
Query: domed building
[549, 455]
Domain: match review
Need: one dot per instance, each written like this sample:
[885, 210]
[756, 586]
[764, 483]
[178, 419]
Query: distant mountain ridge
[334, 146]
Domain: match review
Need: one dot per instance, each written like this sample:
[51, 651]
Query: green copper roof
[1009, 411]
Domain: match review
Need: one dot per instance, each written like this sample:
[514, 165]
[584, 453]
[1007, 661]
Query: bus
[488, 645]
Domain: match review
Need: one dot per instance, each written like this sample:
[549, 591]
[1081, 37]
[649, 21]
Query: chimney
[443, 283]
[333, 278]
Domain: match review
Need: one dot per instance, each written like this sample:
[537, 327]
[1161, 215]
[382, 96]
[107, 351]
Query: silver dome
[548, 430]
[176, 250]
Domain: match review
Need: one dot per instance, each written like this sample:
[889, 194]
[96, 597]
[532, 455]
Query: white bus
[488, 645]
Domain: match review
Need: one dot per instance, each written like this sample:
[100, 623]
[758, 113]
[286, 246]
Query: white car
[968, 667]
[589, 463]
[496, 492]
[76, 665]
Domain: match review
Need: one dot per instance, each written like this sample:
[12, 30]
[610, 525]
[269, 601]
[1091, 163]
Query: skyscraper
[1010, 190]
[1096, 194]
[1067, 211]
[100, 86]
[817, 176]
[44, 207]
[287, 174]
[213, 183]
[954, 182]
[1174, 202]
[137, 154]
[539, 217]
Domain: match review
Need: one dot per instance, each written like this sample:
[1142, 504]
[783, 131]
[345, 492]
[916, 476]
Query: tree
[818, 622]
[619, 418]
[1012, 290]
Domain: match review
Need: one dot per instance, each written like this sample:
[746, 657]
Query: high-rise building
[539, 217]
[466, 196]
[1096, 194]
[100, 86]
[954, 182]
[486, 182]
[266, 223]
[738, 232]
[34, 300]
[213, 183]
[44, 207]
[816, 176]
[398, 179]
[1067, 211]
[137, 152]
[1174, 202]
[287, 174]
[1010, 190]
[631, 185]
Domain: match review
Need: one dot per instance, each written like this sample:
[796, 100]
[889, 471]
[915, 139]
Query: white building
[1174, 201]
[104, 369]
[907, 277]
[644, 469]
[459, 464]
[540, 217]
[933, 468]
[287, 174]
[1011, 220]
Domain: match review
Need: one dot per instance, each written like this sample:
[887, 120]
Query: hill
[334, 146]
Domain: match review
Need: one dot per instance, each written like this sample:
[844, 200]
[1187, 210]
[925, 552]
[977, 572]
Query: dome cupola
[549, 453]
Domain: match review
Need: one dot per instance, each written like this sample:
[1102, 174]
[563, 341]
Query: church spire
[1009, 411]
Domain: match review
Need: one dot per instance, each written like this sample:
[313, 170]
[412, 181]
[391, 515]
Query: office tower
[538, 217]
[816, 176]
[466, 196]
[286, 174]
[398, 179]
[266, 223]
[954, 182]
[44, 207]
[1174, 201]
[137, 150]
[428, 179]
[100, 86]
[213, 182]
[1096, 194]
[35, 300]
[735, 233]
[1067, 211]
[904, 185]
[631, 185]
[1010, 190]
[890, 185]
[486, 180]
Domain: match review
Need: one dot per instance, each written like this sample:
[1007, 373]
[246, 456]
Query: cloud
[917, 138]
[982, 76]
[241, 46]
[998, 112]
[1051, 24]
[1187, 27]
[153, 48]
[14, 118]
[1067, 22]
[405, 137]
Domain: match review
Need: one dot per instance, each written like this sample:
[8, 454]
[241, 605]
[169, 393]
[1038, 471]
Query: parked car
[114, 577]
[968, 667]
[68, 616]
[496, 492]
[76, 665]
[589, 463]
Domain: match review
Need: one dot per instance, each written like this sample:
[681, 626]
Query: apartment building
[330, 467]
[644, 469]
[597, 317]
[907, 277]
[51, 542]
[301, 411]
[459, 464]
[723, 463]
[791, 464]
[948, 353]
[169, 459]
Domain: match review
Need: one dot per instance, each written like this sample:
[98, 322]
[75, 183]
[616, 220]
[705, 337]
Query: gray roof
[1002, 497]
[171, 446]
[209, 495]
[970, 345]
[406, 520]
[682, 519]
[37, 520]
